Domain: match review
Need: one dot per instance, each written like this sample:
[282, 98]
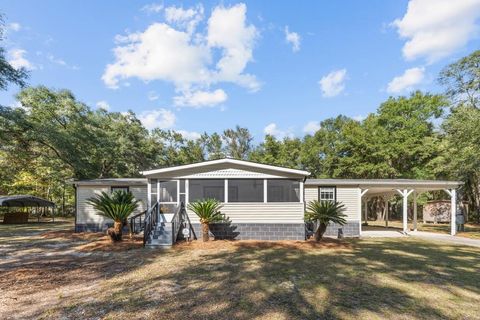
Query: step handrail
[134, 229]
[151, 220]
[177, 221]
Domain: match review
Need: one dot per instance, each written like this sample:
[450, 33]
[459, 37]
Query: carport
[387, 188]
[26, 203]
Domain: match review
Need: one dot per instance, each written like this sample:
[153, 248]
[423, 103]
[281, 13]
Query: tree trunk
[205, 229]
[115, 233]
[320, 231]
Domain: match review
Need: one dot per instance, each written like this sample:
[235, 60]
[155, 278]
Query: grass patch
[401, 278]
[471, 230]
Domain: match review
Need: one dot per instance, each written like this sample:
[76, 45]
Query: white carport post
[415, 210]
[453, 205]
[361, 193]
[365, 208]
[405, 193]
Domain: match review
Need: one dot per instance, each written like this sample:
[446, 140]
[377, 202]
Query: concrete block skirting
[254, 231]
[350, 229]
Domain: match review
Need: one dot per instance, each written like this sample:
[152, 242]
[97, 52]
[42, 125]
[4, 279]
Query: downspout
[75, 226]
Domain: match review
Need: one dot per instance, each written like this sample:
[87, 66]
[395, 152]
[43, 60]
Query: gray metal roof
[384, 183]
[24, 201]
[112, 182]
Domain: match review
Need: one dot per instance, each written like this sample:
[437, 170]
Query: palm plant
[118, 206]
[324, 212]
[208, 210]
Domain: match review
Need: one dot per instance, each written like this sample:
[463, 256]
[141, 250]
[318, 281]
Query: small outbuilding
[18, 208]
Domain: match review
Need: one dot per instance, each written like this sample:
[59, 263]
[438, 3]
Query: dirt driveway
[49, 272]
[44, 263]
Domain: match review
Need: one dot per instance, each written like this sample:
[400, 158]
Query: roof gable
[226, 168]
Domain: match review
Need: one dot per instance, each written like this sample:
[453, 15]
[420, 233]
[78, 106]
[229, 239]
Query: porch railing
[136, 222]
[177, 222]
[151, 220]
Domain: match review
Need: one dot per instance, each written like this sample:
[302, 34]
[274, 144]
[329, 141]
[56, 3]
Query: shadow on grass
[382, 278]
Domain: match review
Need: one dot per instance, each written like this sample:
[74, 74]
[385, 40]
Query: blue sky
[274, 67]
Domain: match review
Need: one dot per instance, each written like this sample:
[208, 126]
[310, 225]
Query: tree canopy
[51, 137]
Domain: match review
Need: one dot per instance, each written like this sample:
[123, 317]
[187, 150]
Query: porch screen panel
[206, 189]
[153, 192]
[280, 190]
[168, 191]
[245, 190]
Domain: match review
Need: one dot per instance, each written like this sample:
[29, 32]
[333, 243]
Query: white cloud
[185, 18]
[103, 105]
[311, 127]
[14, 26]
[152, 96]
[293, 38]
[227, 30]
[273, 130]
[18, 60]
[61, 62]
[359, 117]
[152, 8]
[434, 29]
[189, 135]
[188, 59]
[17, 105]
[407, 80]
[160, 118]
[200, 99]
[333, 83]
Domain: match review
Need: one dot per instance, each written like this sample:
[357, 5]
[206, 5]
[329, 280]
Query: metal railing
[136, 225]
[151, 220]
[177, 221]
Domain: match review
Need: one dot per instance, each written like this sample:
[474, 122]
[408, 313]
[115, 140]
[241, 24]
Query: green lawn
[471, 230]
[59, 276]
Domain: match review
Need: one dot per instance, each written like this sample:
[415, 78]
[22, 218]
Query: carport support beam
[415, 211]
[453, 208]
[405, 193]
[386, 213]
[361, 193]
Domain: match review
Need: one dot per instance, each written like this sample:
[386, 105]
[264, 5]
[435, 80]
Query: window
[283, 191]
[206, 189]
[115, 189]
[327, 194]
[168, 191]
[245, 190]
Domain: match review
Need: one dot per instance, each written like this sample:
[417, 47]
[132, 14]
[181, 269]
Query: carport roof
[387, 183]
[24, 201]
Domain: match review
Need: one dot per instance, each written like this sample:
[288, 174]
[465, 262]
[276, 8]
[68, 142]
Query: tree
[213, 146]
[460, 152]
[118, 206]
[323, 213]
[93, 144]
[208, 210]
[397, 142]
[8, 74]
[320, 153]
[462, 80]
[238, 142]
[459, 158]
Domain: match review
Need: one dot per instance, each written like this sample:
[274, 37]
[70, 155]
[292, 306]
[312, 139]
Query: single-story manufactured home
[259, 201]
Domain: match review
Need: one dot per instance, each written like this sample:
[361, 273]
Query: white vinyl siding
[349, 197]
[311, 193]
[280, 212]
[86, 213]
[346, 195]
